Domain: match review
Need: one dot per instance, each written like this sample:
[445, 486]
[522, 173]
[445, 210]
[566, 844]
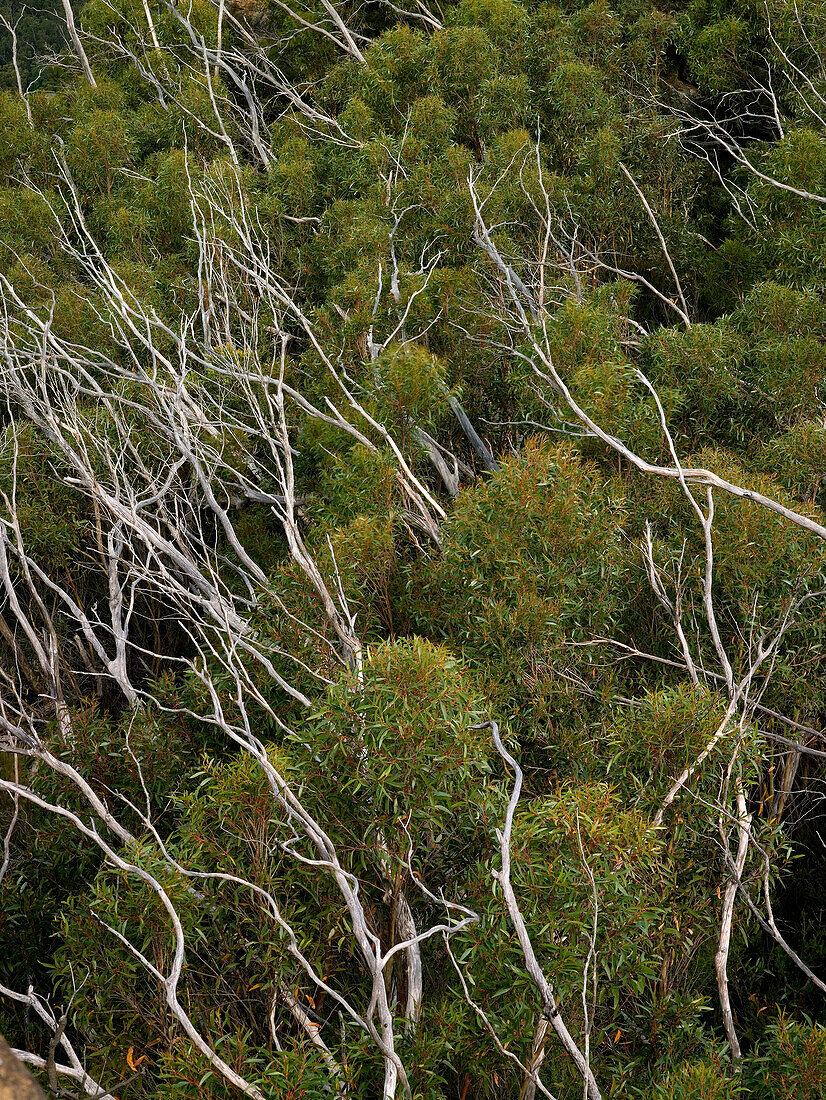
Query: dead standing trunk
[71, 27]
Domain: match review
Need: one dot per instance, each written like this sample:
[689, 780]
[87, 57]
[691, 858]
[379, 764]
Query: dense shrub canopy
[413, 549]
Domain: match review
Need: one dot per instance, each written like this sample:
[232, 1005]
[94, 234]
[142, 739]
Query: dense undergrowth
[655, 175]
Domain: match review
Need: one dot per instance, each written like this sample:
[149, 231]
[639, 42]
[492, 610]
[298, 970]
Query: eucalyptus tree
[407, 662]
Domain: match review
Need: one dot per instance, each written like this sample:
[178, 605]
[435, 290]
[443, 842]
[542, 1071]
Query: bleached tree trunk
[726, 921]
[77, 45]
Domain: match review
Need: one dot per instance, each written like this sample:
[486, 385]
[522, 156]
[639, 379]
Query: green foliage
[704, 364]
[715, 53]
[652, 742]
[519, 555]
[528, 600]
[789, 1063]
[797, 459]
[401, 746]
[699, 1081]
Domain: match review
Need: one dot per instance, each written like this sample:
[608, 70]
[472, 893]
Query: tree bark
[71, 26]
[16, 1083]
